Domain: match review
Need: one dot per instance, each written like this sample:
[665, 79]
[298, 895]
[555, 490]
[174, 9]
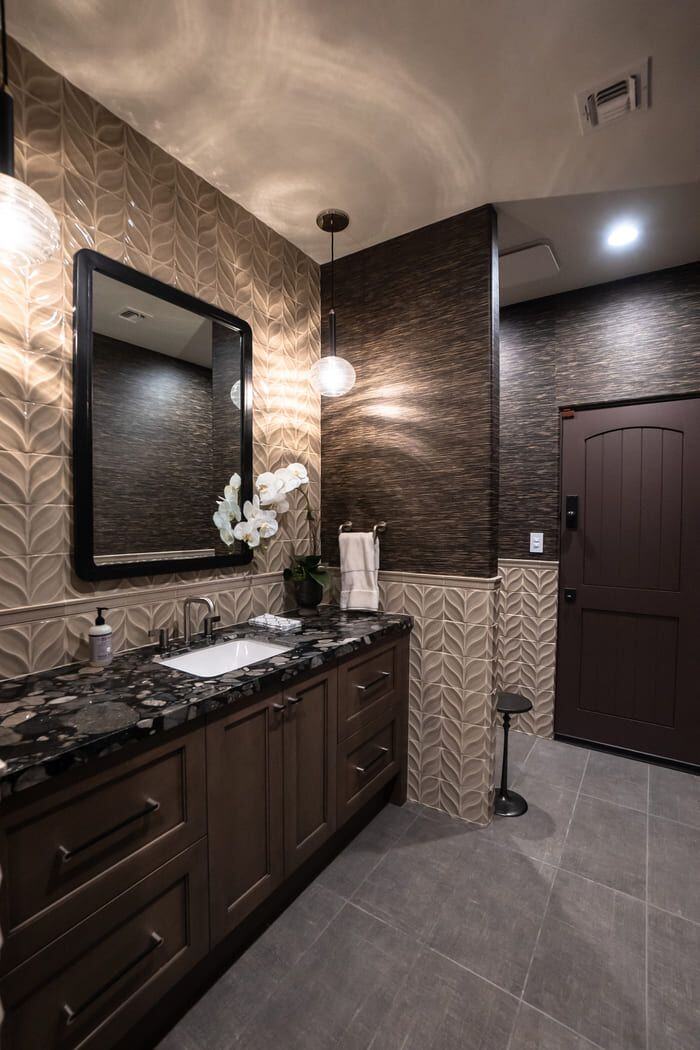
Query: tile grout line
[646, 920]
[549, 894]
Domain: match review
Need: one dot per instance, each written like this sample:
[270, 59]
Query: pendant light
[29, 231]
[332, 376]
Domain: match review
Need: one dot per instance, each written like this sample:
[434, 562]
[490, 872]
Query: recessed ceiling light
[622, 234]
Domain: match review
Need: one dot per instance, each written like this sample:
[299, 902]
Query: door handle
[373, 761]
[571, 512]
[375, 681]
[570, 595]
[70, 1015]
[65, 854]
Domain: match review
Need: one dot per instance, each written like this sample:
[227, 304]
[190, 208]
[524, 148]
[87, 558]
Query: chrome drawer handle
[70, 1015]
[375, 681]
[279, 707]
[65, 854]
[294, 699]
[377, 758]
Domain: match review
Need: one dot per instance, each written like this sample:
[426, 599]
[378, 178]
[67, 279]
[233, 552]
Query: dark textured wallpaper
[636, 338]
[152, 460]
[415, 442]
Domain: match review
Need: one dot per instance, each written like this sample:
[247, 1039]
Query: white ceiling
[576, 228]
[165, 328]
[402, 112]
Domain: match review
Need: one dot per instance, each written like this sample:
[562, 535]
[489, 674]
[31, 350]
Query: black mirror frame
[85, 263]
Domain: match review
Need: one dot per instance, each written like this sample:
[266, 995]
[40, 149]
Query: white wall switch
[536, 542]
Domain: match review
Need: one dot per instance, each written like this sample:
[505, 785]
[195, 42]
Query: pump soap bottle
[100, 640]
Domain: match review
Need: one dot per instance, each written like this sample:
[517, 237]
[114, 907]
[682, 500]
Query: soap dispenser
[100, 640]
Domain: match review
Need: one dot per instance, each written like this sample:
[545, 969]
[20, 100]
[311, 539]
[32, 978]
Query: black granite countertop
[55, 719]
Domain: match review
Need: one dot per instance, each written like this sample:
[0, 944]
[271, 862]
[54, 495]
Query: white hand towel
[359, 571]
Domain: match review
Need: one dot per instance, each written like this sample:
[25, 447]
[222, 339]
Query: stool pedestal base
[510, 805]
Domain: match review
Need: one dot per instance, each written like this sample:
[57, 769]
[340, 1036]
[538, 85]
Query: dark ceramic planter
[309, 595]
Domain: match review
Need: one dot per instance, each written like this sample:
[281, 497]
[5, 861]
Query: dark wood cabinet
[118, 882]
[245, 782]
[75, 849]
[368, 685]
[310, 733]
[88, 988]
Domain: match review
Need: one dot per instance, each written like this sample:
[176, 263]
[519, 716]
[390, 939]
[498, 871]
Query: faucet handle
[163, 636]
[209, 622]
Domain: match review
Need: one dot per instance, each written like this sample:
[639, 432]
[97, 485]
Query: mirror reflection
[166, 387]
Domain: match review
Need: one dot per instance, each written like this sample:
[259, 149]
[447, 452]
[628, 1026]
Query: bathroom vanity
[150, 817]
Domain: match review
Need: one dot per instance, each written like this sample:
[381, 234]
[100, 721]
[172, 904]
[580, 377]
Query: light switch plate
[536, 542]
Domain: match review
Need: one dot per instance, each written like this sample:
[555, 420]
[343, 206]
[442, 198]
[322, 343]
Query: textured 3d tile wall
[118, 193]
[527, 638]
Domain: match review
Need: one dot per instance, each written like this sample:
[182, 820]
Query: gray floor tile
[340, 991]
[615, 779]
[674, 795]
[218, 1018]
[540, 832]
[490, 920]
[588, 970]
[558, 763]
[519, 747]
[351, 867]
[674, 982]
[440, 1006]
[534, 1031]
[608, 843]
[410, 883]
[674, 863]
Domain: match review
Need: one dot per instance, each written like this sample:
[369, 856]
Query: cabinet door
[244, 788]
[310, 735]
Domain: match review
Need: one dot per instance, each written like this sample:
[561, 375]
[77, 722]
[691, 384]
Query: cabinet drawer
[367, 687]
[368, 760]
[94, 983]
[73, 851]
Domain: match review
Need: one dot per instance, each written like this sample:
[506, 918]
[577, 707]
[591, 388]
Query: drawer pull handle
[70, 1015]
[377, 758]
[294, 699]
[375, 681]
[66, 854]
[279, 707]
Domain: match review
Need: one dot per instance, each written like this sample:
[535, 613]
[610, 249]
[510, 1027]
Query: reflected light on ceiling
[622, 234]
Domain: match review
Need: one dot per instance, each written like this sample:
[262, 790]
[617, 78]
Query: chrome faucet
[209, 620]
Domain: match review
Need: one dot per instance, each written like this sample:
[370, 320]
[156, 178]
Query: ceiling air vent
[133, 316]
[614, 98]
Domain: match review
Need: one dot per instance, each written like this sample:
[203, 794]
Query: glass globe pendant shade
[332, 376]
[29, 231]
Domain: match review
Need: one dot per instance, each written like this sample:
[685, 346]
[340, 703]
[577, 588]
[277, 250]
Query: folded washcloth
[359, 571]
[275, 623]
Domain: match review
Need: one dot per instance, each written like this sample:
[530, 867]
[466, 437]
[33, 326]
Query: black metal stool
[509, 803]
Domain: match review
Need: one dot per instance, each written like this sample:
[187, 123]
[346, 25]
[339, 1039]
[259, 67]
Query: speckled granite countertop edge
[56, 720]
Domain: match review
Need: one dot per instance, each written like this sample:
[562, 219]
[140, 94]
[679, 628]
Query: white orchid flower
[227, 535]
[299, 472]
[233, 488]
[247, 531]
[286, 480]
[270, 487]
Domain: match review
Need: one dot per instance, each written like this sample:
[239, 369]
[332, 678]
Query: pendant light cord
[3, 30]
[332, 256]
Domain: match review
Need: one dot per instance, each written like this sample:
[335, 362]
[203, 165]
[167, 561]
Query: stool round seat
[513, 704]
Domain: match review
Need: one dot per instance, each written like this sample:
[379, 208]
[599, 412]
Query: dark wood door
[629, 634]
[244, 788]
[310, 746]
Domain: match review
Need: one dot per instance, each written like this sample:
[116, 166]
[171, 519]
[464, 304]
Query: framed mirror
[162, 417]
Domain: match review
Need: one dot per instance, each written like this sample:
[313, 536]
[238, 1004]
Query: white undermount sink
[216, 659]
